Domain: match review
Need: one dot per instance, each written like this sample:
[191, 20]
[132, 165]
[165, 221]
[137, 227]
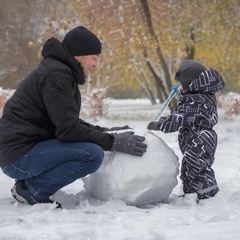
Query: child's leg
[196, 173]
[197, 178]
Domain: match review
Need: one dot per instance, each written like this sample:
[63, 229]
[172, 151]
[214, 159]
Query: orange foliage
[121, 26]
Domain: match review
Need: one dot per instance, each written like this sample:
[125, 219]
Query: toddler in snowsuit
[194, 118]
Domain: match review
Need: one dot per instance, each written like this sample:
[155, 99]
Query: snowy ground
[84, 217]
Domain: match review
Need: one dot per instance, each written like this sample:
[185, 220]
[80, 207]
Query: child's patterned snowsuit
[194, 118]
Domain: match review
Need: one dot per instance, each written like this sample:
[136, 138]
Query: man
[44, 144]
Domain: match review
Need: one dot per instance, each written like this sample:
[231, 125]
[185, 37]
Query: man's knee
[96, 158]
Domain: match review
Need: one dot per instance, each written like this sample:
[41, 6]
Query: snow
[88, 218]
[136, 181]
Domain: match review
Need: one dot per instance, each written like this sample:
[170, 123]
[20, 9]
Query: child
[194, 118]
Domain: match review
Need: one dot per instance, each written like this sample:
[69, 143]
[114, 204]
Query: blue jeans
[53, 164]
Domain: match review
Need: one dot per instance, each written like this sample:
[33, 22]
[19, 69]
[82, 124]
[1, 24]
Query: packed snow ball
[136, 180]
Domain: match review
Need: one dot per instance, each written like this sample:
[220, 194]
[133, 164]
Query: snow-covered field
[85, 217]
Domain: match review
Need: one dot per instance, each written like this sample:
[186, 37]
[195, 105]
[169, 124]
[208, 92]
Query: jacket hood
[209, 81]
[55, 50]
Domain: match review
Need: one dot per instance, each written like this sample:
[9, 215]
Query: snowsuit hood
[209, 81]
[55, 49]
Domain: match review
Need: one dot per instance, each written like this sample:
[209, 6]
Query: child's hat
[81, 42]
[188, 71]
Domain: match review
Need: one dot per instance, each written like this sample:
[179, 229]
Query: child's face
[180, 87]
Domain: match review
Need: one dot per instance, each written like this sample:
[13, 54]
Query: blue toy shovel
[174, 91]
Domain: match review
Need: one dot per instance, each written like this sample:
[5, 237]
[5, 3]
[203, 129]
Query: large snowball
[136, 180]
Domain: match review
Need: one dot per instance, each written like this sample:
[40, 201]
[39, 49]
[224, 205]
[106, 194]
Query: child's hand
[153, 126]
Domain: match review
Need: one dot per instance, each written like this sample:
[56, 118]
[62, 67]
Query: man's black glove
[117, 128]
[153, 126]
[129, 143]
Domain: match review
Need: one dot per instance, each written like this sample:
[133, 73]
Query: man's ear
[76, 58]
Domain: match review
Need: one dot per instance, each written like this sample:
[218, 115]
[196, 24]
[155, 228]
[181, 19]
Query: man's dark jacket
[46, 105]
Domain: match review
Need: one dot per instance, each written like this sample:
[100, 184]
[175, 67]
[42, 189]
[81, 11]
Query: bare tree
[165, 89]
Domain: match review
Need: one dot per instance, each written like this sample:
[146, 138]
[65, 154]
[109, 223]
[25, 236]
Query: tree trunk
[159, 81]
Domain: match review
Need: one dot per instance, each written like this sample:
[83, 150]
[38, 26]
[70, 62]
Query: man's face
[88, 63]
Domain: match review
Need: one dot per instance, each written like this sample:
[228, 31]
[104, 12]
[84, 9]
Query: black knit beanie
[188, 71]
[81, 42]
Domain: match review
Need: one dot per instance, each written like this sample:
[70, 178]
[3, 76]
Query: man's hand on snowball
[128, 142]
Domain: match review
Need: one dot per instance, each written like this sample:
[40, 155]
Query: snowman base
[137, 181]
